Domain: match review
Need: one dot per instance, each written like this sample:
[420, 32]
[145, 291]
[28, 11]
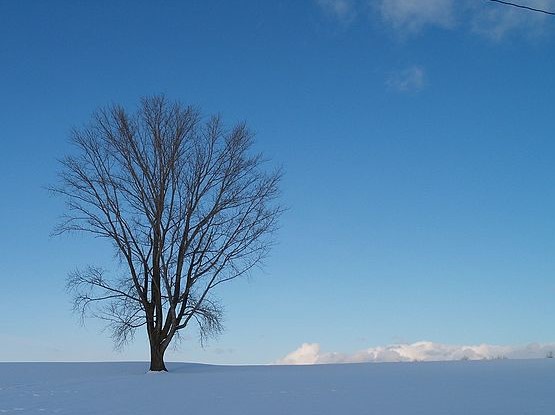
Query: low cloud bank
[310, 353]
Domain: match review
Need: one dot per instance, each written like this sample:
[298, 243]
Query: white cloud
[408, 17]
[411, 79]
[411, 16]
[343, 10]
[496, 21]
[306, 354]
[310, 353]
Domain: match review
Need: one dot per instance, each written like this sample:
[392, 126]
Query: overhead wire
[521, 6]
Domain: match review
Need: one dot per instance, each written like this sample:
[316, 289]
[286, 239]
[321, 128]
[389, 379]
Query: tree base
[157, 361]
[157, 368]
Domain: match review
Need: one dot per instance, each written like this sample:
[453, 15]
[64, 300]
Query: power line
[520, 6]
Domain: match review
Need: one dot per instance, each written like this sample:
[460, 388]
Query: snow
[501, 387]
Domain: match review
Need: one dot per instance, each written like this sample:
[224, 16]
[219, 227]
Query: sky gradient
[417, 145]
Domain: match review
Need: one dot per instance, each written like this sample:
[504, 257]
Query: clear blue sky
[418, 145]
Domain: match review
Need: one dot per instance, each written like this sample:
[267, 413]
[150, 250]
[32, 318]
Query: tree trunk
[157, 358]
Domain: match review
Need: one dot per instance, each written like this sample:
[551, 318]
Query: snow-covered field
[501, 387]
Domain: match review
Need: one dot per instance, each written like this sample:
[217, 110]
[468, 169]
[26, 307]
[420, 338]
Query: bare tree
[186, 206]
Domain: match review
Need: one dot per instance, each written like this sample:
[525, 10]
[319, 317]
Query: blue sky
[417, 143]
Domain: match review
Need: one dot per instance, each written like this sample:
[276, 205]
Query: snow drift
[497, 387]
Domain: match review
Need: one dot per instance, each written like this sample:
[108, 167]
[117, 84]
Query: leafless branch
[186, 204]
